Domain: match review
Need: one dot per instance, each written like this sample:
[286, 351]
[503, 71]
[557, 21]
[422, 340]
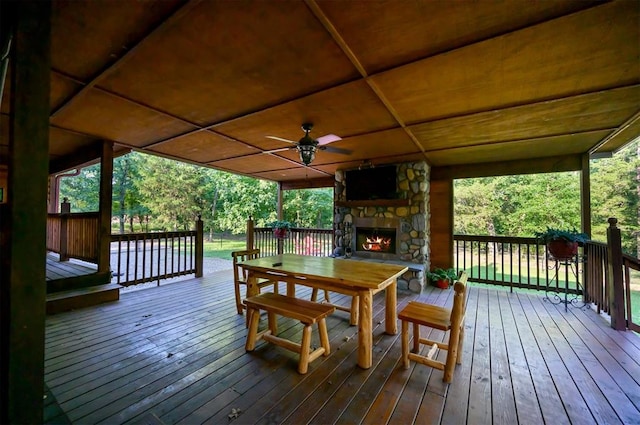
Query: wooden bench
[307, 312]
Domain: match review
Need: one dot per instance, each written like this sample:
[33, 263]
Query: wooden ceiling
[452, 83]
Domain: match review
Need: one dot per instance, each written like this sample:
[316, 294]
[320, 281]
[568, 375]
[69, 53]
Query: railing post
[614, 271]
[199, 247]
[250, 233]
[65, 210]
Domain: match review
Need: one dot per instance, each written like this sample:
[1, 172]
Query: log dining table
[351, 277]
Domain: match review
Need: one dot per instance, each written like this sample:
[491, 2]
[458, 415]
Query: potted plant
[281, 228]
[442, 278]
[562, 244]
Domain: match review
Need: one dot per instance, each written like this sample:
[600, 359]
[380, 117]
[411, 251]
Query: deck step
[83, 297]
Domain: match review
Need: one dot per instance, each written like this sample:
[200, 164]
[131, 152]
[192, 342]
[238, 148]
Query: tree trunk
[214, 205]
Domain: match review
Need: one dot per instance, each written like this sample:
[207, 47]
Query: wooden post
[199, 246]
[280, 206]
[65, 210]
[585, 196]
[106, 193]
[250, 233]
[280, 241]
[24, 226]
[614, 271]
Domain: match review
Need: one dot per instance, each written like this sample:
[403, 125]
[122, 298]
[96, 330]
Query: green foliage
[281, 224]
[522, 205]
[557, 234]
[615, 193]
[309, 207]
[82, 191]
[437, 274]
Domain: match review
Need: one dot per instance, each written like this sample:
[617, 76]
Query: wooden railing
[145, 257]
[74, 235]
[595, 275]
[601, 273]
[630, 263]
[516, 262]
[303, 241]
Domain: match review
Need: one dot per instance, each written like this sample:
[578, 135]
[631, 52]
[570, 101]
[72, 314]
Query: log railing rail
[630, 263]
[145, 257]
[304, 241]
[73, 235]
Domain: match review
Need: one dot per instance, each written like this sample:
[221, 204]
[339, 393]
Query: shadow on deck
[175, 354]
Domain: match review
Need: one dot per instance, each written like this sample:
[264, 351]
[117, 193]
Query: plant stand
[555, 294]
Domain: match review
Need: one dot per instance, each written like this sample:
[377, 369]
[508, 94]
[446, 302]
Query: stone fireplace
[388, 230]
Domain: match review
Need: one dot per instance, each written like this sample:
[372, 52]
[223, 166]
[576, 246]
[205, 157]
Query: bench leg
[460, 344]
[324, 337]
[239, 305]
[273, 323]
[305, 346]
[405, 344]
[416, 338]
[253, 329]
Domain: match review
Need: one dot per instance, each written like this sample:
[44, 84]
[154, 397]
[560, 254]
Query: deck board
[175, 354]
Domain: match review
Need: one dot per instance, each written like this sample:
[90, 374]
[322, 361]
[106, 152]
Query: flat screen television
[372, 183]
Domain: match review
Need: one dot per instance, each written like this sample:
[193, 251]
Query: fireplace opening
[372, 239]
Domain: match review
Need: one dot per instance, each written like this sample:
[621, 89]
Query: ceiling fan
[307, 145]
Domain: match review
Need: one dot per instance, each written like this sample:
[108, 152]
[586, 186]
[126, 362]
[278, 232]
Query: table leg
[252, 285]
[391, 308]
[291, 289]
[365, 330]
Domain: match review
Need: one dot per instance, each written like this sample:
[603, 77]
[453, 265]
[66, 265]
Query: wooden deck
[57, 270]
[175, 354]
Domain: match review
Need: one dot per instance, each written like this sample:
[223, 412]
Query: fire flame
[377, 243]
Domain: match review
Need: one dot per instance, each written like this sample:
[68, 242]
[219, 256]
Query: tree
[82, 191]
[614, 193]
[175, 193]
[309, 207]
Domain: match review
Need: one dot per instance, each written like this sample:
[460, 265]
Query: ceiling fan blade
[280, 139]
[279, 150]
[328, 138]
[335, 150]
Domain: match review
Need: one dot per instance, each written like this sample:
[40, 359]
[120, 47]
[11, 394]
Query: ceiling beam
[335, 34]
[309, 183]
[552, 164]
[618, 132]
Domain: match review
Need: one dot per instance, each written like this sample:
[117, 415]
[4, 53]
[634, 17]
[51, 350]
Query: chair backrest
[239, 274]
[459, 300]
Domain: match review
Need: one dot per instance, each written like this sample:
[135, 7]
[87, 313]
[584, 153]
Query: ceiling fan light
[307, 153]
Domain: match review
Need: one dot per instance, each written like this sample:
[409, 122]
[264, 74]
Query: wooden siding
[176, 354]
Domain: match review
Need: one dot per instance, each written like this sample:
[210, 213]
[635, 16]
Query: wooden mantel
[374, 203]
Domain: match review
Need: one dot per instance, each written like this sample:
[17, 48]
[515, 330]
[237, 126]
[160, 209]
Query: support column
[585, 196]
[23, 238]
[106, 194]
[280, 202]
[250, 233]
[199, 247]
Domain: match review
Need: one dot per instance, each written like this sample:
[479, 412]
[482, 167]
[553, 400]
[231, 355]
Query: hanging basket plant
[281, 228]
[562, 244]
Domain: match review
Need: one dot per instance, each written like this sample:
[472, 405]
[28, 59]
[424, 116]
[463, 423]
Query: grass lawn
[222, 247]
